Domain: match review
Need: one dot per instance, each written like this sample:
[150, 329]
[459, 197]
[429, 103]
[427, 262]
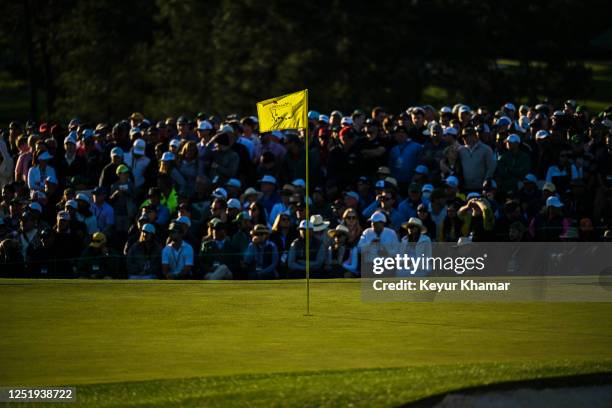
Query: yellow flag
[284, 112]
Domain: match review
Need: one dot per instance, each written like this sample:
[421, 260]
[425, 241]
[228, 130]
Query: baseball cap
[116, 151]
[299, 183]
[352, 194]
[324, 119]
[267, 179]
[51, 179]
[98, 239]
[139, 146]
[175, 143]
[36, 206]
[45, 156]
[473, 195]
[513, 138]
[233, 203]
[446, 109]
[531, 178]
[427, 187]
[167, 157]
[542, 134]
[464, 108]
[553, 201]
[510, 106]
[346, 120]
[549, 187]
[72, 204]
[122, 168]
[450, 131]
[421, 169]
[305, 224]
[503, 121]
[313, 115]
[184, 220]
[452, 181]
[148, 228]
[205, 125]
[82, 197]
[233, 183]
[378, 217]
[98, 191]
[219, 193]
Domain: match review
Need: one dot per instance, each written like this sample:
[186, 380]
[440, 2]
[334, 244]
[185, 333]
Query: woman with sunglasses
[350, 219]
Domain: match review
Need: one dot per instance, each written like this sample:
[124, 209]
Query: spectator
[404, 157]
[215, 257]
[177, 256]
[513, 165]
[261, 256]
[477, 161]
[342, 258]
[143, 259]
[99, 261]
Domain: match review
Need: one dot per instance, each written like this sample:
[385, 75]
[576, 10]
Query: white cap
[71, 203]
[45, 156]
[82, 197]
[446, 109]
[219, 193]
[305, 224]
[464, 108]
[233, 182]
[135, 130]
[167, 156]
[553, 201]
[233, 203]
[542, 134]
[175, 143]
[452, 181]
[63, 215]
[268, 179]
[513, 138]
[346, 120]
[35, 206]
[427, 187]
[116, 151]
[473, 195]
[450, 131]
[184, 220]
[324, 118]
[139, 146]
[205, 125]
[299, 183]
[530, 177]
[148, 228]
[378, 217]
[510, 106]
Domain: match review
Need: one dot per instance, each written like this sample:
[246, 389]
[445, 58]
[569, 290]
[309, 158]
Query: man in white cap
[39, 173]
[513, 165]
[109, 172]
[70, 164]
[138, 162]
[378, 233]
[296, 259]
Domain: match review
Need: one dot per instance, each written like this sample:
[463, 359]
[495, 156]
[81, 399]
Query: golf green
[205, 343]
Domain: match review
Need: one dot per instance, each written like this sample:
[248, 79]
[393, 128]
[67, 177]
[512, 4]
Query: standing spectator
[104, 213]
[188, 166]
[109, 172]
[123, 201]
[24, 160]
[477, 161]
[513, 165]
[225, 161]
[404, 157]
[138, 162]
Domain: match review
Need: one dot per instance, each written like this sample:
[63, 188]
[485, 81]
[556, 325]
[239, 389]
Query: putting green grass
[235, 343]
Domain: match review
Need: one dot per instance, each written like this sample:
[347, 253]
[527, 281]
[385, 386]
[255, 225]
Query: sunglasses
[350, 217]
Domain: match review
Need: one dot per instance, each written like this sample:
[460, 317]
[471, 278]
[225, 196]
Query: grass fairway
[236, 343]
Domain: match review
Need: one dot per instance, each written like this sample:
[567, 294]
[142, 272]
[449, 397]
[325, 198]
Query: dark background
[102, 59]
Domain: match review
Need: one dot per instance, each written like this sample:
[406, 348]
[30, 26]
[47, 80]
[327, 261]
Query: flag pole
[307, 209]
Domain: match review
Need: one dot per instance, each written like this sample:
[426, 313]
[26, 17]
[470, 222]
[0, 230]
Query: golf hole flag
[284, 112]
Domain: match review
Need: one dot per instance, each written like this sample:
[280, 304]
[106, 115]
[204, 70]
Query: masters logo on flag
[284, 112]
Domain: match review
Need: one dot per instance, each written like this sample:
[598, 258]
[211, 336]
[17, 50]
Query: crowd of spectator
[212, 198]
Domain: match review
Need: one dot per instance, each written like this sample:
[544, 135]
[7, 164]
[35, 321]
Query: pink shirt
[24, 161]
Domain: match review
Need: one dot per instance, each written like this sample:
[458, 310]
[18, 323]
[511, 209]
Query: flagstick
[307, 214]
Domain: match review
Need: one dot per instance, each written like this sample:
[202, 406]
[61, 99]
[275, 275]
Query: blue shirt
[177, 259]
[403, 159]
[255, 256]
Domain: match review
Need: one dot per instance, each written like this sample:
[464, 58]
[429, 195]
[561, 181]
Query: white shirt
[138, 165]
[177, 259]
[36, 177]
[422, 248]
[554, 171]
[387, 236]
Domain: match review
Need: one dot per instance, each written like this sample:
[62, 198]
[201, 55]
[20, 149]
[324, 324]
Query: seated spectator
[177, 256]
[215, 256]
[261, 256]
[342, 258]
[143, 259]
[297, 253]
[99, 261]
